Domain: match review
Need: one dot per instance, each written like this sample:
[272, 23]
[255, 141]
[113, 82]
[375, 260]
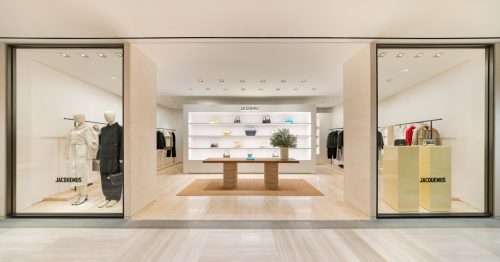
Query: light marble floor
[328, 180]
[219, 245]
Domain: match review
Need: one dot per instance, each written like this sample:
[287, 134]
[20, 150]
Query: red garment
[409, 135]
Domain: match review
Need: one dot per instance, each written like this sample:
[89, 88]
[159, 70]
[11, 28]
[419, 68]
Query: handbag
[266, 119]
[400, 142]
[237, 120]
[116, 179]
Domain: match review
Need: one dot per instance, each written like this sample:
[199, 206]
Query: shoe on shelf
[76, 203]
[82, 199]
[103, 204]
[111, 203]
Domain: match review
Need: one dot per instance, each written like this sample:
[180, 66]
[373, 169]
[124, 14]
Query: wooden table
[231, 169]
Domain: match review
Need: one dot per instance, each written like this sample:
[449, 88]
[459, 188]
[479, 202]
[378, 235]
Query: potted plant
[283, 139]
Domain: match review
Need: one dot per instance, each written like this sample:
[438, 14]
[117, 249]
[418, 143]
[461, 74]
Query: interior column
[360, 130]
[3, 128]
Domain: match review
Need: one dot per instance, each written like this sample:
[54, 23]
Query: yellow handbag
[227, 133]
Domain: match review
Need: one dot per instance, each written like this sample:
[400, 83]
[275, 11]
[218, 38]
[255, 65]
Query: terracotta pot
[284, 153]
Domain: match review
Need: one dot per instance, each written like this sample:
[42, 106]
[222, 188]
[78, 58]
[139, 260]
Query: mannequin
[110, 157]
[82, 146]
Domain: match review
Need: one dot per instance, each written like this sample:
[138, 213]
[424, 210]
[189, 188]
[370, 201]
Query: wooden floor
[220, 245]
[328, 180]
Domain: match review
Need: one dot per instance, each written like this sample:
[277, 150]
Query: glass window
[68, 131]
[432, 130]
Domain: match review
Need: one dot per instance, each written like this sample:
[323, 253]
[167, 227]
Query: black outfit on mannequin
[109, 155]
[160, 140]
[172, 152]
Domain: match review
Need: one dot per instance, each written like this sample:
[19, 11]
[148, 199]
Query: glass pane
[68, 111]
[430, 166]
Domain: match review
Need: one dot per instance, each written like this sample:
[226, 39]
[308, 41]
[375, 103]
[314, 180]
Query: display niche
[211, 134]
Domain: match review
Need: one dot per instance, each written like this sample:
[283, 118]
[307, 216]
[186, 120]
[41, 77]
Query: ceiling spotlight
[113, 77]
[208, 89]
[419, 55]
[381, 54]
[283, 81]
[263, 80]
[405, 70]
[119, 54]
[102, 55]
[388, 80]
[242, 81]
[84, 55]
[200, 80]
[303, 81]
[399, 55]
[437, 55]
[221, 80]
[64, 55]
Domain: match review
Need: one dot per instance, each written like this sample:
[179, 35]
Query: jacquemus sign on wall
[249, 108]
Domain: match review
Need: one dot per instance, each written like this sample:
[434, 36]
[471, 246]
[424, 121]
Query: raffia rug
[250, 187]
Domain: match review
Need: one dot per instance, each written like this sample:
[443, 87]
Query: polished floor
[384, 240]
[328, 180]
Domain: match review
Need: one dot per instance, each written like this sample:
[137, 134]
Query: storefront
[133, 130]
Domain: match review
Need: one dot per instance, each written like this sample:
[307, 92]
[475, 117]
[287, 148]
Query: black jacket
[380, 140]
[110, 150]
[172, 152]
[331, 144]
[160, 140]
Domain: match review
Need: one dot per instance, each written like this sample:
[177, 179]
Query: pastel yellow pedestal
[435, 178]
[401, 177]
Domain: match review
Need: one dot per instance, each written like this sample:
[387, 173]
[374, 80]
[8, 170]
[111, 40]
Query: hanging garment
[160, 140]
[409, 135]
[423, 133]
[331, 144]
[172, 152]
[168, 140]
[82, 144]
[380, 140]
[340, 146]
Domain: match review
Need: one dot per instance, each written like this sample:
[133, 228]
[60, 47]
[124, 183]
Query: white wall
[140, 125]
[3, 128]
[360, 131]
[44, 97]
[171, 118]
[338, 116]
[457, 96]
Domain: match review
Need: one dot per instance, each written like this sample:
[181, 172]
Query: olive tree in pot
[283, 139]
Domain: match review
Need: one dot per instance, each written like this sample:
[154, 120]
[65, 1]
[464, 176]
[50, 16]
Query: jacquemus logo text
[433, 180]
[68, 180]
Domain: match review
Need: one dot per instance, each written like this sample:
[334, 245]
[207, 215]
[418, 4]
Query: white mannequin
[110, 118]
[79, 119]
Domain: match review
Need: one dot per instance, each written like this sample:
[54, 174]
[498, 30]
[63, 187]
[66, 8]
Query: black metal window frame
[11, 129]
[489, 129]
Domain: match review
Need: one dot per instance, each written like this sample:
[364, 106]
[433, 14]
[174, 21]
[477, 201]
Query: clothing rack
[86, 121]
[337, 128]
[421, 121]
[166, 129]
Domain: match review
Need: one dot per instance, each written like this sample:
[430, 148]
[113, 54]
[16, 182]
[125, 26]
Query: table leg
[230, 175]
[271, 175]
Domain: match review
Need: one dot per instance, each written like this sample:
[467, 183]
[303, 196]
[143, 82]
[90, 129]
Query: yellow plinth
[401, 177]
[435, 178]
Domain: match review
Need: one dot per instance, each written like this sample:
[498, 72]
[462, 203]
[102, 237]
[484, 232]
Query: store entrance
[227, 102]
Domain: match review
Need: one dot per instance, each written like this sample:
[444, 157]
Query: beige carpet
[250, 187]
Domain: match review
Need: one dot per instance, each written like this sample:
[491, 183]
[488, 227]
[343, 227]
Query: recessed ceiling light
[419, 55]
[64, 55]
[437, 55]
[405, 70]
[388, 80]
[119, 54]
[102, 55]
[84, 55]
[221, 80]
[278, 89]
[242, 81]
[113, 77]
[208, 89]
[263, 80]
[303, 81]
[381, 54]
[283, 81]
[200, 80]
[399, 55]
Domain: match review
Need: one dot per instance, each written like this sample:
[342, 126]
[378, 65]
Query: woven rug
[250, 187]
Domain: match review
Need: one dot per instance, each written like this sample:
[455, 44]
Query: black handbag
[237, 120]
[116, 179]
[266, 119]
[400, 142]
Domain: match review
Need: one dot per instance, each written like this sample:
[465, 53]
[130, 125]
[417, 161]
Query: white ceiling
[104, 72]
[399, 73]
[249, 69]
[290, 18]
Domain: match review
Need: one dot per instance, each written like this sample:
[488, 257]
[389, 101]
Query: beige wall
[360, 131]
[497, 133]
[3, 128]
[140, 125]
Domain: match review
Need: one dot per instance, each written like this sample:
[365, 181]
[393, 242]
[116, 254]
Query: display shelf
[250, 124]
[275, 148]
[239, 136]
